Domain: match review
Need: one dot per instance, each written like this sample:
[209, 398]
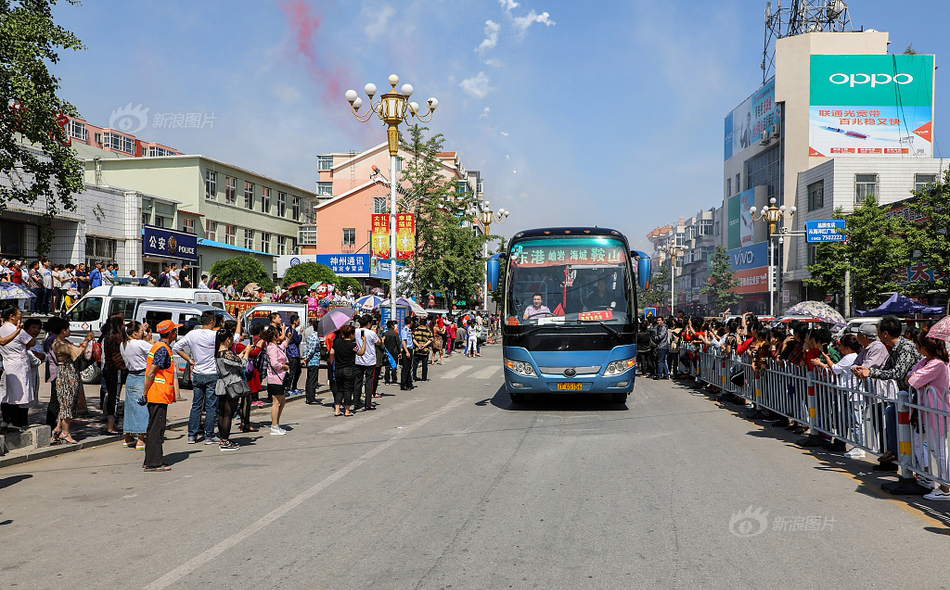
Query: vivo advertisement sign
[164, 243]
[749, 257]
[871, 105]
[745, 124]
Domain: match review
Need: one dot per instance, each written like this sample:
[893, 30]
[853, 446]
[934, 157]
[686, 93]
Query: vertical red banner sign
[405, 236]
[381, 235]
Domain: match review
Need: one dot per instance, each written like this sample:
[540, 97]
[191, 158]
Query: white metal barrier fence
[870, 414]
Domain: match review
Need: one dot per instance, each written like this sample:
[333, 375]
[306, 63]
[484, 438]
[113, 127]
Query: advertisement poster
[405, 236]
[345, 265]
[745, 124]
[754, 280]
[733, 221]
[749, 257]
[746, 229]
[380, 238]
[871, 105]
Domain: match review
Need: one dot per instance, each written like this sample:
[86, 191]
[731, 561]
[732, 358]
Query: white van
[153, 312]
[92, 311]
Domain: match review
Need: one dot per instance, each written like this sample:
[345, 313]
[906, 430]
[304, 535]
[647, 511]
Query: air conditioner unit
[764, 138]
[776, 130]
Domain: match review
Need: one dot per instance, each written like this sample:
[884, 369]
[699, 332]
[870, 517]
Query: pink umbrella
[941, 330]
[334, 319]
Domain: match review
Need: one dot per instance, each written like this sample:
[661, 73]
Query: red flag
[558, 310]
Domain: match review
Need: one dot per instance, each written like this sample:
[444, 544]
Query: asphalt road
[450, 486]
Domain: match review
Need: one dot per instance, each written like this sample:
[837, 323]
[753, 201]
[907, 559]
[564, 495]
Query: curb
[98, 441]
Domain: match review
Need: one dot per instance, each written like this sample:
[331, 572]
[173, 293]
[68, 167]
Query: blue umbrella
[369, 302]
[10, 290]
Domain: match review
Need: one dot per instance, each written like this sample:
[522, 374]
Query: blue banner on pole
[825, 230]
[385, 316]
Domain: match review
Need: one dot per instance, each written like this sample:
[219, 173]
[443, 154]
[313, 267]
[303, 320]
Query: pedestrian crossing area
[466, 372]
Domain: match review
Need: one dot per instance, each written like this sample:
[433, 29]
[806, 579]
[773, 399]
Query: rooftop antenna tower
[798, 17]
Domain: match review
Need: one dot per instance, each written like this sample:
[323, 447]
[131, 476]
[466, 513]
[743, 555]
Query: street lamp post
[392, 108]
[672, 250]
[487, 217]
[772, 215]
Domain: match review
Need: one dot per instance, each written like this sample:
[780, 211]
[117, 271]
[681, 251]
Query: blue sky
[594, 113]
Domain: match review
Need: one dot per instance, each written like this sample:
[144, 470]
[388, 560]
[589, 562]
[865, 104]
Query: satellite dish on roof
[836, 8]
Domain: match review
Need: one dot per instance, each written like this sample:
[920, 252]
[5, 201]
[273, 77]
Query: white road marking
[209, 554]
[344, 425]
[485, 373]
[456, 372]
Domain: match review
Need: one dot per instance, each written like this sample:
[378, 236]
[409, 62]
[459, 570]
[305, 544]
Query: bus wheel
[619, 398]
[517, 398]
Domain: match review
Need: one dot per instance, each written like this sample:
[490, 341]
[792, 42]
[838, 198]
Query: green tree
[876, 248]
[32, 116]
[344, 283]
[310, 273]
[658, 295]
[721, 283]
[928, 236]
[246, 269]
[448, 256]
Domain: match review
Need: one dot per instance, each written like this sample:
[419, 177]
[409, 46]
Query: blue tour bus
[569, 315]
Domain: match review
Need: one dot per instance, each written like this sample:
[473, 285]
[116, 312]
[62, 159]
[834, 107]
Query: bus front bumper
[591, 376]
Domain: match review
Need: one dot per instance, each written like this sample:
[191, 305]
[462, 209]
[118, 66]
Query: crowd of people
[888, 351]
[230, 371]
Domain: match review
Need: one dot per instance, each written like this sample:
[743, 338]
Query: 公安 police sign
[827, 230]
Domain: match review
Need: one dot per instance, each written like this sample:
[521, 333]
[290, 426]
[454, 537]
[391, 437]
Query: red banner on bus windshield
[595, 316]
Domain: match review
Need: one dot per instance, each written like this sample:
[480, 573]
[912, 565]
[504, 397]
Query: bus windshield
[568, 280]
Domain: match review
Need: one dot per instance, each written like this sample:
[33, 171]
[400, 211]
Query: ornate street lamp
[672, 250]
[772, 215]
[392, 108]
[487, 217]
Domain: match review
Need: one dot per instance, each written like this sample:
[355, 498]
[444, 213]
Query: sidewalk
[89, 427]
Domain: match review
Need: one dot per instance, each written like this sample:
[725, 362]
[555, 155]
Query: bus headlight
[615, 368]
[521, 368]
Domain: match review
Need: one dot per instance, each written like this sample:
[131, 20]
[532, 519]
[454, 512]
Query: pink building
[113, 140]
[351, 187]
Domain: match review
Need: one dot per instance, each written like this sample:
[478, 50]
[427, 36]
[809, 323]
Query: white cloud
[377, 20]
[486, 112]
[523, 22]
[491, 37]
[476, 86]
[508, 5]
[495, 63]
[504, 134]
[286, 94]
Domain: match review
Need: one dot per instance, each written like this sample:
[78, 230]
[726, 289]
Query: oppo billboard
[871, 105]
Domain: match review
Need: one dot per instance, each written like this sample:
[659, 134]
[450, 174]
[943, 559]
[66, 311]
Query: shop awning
[222, 246]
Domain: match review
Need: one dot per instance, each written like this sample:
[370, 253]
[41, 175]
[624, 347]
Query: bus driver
[536, 309]
[601, 299]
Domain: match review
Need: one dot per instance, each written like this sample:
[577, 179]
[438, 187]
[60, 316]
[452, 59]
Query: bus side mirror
[644, 269]
[494, 270]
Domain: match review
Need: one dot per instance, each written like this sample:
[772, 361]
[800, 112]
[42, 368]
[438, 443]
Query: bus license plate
[570, 386]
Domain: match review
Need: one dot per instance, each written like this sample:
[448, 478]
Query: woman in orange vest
[161, 389]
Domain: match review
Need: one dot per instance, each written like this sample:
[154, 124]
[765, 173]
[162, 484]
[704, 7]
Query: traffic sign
[826, 230]
[649, 311]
